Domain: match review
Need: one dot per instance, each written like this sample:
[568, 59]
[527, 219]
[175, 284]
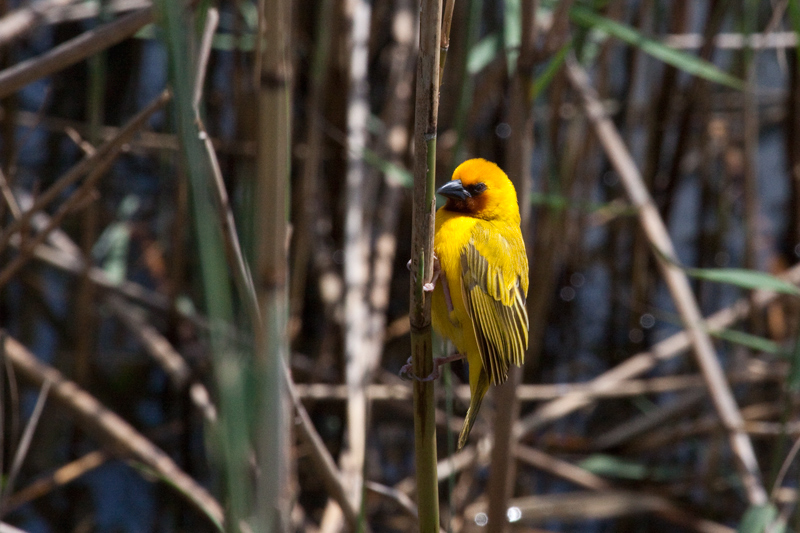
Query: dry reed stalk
[734, 41]
[358, 359]
[677, 283]
[273, 77]
[230, 238]
[95, 418]
[73, 51]
[331, 477]
[401, 392]
[444, 47]
[58, 478]
[85, 193]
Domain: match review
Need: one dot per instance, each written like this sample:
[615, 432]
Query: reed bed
[206, 210]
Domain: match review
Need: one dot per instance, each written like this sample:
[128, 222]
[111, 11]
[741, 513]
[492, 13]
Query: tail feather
[476, 397]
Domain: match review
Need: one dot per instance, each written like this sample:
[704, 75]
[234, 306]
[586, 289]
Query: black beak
[454, 189]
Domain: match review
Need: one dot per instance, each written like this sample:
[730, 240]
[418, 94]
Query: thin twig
[72, 51]
[331, 476]
[9, 197]
[24, 444]
[402, 392]
[233, 248]
[85, 193]
[58, 478]
[785, 468]
[112, 147]
[212, 21]
[447, 23]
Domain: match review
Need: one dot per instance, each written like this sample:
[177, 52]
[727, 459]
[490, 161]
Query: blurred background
[162, 251]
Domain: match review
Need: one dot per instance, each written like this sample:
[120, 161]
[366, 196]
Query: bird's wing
[494, 281]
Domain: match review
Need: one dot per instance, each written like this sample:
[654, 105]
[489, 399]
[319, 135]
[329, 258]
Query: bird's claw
[428, 287]
[407, 372]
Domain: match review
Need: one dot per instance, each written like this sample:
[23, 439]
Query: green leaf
[747, 279]
[560, 202]
[483, 53]
[607, 465]
[678, 59]
[512, 32]
[610, 466]
[553, 66]
[757, 518]
[754, 342]
[394, 172]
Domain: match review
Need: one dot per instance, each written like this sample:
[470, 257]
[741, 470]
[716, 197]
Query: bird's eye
[477, 188]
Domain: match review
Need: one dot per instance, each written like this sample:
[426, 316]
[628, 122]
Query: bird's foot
[437, 270]
[407, 373]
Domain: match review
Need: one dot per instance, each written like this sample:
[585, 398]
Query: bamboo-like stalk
[269, 218]
[358, 358]
[447, 23]
[678, 285]
[424, 203]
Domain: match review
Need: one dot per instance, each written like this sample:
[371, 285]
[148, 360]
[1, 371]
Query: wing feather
[494, 295]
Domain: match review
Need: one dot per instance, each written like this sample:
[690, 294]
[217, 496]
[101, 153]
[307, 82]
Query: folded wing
[494, 276]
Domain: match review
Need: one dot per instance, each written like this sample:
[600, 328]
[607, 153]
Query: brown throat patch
[469, 206]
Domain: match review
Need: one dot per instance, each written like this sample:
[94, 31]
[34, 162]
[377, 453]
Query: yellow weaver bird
[479, 300]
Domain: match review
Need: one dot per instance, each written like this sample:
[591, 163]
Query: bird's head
[479, 188]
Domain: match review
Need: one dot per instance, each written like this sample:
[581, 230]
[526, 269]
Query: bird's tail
[476, 397]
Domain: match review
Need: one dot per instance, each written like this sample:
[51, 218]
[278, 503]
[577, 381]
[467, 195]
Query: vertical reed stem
[425, 123]
[270, 229]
